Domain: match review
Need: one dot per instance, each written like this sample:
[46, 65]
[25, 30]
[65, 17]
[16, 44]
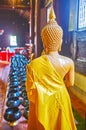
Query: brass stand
[13, 123]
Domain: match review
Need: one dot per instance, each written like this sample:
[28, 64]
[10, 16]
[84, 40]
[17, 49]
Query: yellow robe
[50, 106]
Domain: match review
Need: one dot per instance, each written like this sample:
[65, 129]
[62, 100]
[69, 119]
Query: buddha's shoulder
[37, 60]
[67, 59]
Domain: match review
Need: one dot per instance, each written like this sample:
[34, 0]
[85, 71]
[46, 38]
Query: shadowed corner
[85, 120]
[79, 121]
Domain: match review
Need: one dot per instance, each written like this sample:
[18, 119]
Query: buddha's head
[52, 34]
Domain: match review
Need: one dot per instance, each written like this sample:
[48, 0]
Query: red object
[3, 55]
[6, 56]
[9, 55]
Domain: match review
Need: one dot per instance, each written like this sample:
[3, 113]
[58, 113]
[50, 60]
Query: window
[13, 41]
[73, 14]
[82, 14]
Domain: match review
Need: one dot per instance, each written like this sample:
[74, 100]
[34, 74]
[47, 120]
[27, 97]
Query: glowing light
[13, 41]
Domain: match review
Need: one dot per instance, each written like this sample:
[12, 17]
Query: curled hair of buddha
[52, 33]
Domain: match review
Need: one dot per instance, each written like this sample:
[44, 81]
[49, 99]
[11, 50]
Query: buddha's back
[64, 66]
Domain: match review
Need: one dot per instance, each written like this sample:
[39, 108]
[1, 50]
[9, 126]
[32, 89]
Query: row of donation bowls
[13, 97]
[13, 113]
[14, 92]
[16, 95]
[15, 102]
[14, 81]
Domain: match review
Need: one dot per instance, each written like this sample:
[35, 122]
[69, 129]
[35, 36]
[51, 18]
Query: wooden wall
[13, 24]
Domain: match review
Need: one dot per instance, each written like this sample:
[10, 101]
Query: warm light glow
[14, 2]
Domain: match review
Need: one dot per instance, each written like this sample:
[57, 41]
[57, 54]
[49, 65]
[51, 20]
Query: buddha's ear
[60, 45]
[42, 38]
[59, 49]
[44, 45]
[46, 50]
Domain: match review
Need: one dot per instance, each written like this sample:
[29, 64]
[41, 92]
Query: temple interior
[21, 22]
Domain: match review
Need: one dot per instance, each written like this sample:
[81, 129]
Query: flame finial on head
[52, 14]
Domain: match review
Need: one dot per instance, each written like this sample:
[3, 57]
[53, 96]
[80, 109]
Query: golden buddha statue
[50, 106]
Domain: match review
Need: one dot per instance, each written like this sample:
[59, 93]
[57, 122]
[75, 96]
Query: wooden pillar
[38, 28]
[32, 19]
[40, 21]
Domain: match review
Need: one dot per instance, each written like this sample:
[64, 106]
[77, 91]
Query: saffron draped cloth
[50, 106]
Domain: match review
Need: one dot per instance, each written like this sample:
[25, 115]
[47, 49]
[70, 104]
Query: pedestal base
[13, 123]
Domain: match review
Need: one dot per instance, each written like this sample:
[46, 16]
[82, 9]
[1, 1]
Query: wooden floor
[22, 123]
[78, 105]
